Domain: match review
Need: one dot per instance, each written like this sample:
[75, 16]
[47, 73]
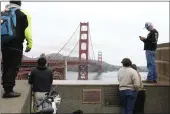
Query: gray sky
[114, 27]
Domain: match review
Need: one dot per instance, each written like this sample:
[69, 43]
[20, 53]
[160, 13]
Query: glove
[27, 49]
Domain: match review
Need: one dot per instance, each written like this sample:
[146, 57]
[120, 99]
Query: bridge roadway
[59, 62]
[56, 65]
[26, 71]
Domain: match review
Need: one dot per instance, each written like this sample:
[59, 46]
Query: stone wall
[157, 99]
[163, 61]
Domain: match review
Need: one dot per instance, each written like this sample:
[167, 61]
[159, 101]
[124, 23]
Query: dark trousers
[127, 101]
[140, 101]
[11, 62]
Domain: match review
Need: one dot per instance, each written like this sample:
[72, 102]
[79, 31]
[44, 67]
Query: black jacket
[41, 78]
[21, 25]
[150, 43]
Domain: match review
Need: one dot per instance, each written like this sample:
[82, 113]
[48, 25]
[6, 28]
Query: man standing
[150, 46]
[12, 51]
[41, 79]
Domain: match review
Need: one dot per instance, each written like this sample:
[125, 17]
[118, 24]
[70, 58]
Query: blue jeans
[151, 66]
[127, 101]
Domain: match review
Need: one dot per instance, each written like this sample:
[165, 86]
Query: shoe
[154, 81]
[149, 81]
[11, 95]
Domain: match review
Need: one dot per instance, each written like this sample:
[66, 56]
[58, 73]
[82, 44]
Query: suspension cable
[91, 44]
[73, 49]
[68, 41]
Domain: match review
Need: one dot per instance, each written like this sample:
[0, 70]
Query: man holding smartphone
[150, 46]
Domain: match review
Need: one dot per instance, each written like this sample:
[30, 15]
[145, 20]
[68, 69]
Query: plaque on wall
[91, 96]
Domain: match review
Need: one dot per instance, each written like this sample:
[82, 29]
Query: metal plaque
[91, 96]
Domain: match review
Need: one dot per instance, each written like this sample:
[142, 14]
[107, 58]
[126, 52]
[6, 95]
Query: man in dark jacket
[41, 79]
[13, 50]
[150, 45]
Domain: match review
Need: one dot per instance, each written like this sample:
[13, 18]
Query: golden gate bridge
[59, 67]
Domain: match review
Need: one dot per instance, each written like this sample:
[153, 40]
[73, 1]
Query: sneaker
[11, 95]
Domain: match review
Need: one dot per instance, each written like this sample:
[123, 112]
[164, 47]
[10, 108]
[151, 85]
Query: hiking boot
[11, 95]
[149, 81]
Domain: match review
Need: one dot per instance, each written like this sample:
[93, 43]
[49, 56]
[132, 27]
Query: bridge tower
[100, 61]
[83, 41]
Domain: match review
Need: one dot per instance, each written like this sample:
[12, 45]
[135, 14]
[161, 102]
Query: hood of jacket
[41, 67]
[12, 6]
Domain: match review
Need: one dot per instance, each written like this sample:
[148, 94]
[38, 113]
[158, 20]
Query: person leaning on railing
[140, 101]
[129, 84]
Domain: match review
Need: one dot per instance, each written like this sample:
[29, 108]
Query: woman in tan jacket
[129, 83]
[140, 101]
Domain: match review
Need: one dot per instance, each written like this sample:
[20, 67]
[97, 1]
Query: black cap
[18, 2]
[42, 61]
[126, 62]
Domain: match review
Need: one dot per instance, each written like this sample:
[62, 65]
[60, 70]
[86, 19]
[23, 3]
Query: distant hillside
[26, 58]
[105, 66]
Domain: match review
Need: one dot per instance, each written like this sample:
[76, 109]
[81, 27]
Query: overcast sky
[114, 27]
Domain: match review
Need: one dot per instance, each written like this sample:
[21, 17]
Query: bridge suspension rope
[73, 49]
[68, 41]
[91, 44]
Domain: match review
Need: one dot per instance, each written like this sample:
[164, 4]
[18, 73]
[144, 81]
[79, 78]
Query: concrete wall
[163, 61]
[19, 104]
[157, 99]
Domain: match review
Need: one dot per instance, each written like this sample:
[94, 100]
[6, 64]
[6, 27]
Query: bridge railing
[59, 69]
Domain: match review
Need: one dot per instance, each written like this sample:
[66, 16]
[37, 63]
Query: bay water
[103, 76]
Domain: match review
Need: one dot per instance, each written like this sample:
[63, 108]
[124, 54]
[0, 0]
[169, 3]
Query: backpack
[8, 25]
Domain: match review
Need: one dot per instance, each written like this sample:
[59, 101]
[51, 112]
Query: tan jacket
[128, 79]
